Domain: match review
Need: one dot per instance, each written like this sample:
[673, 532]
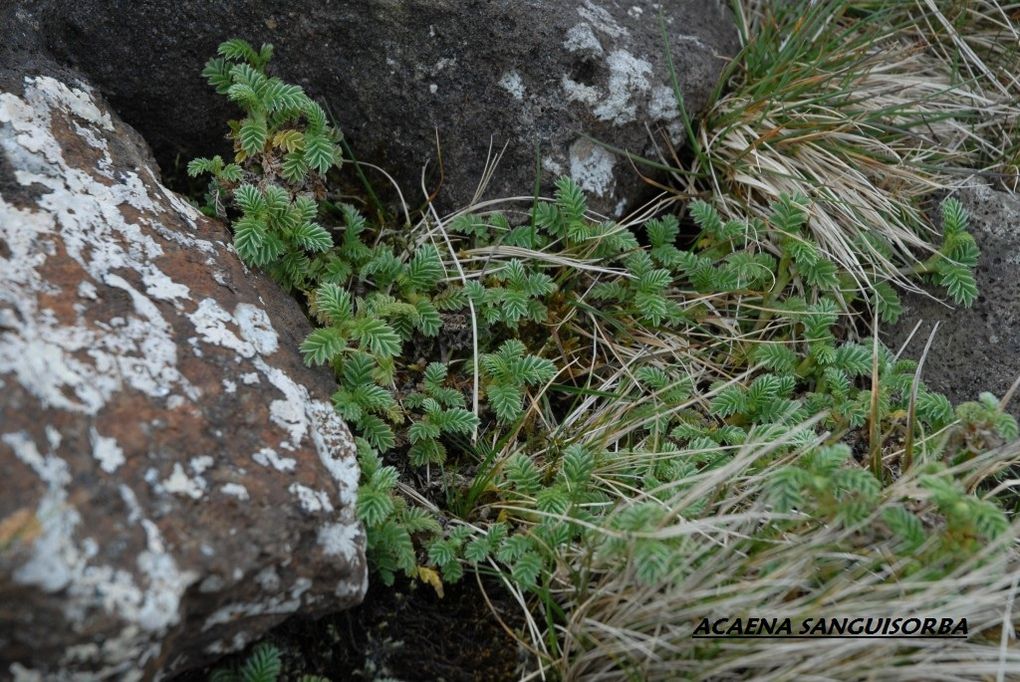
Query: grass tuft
[864, 108]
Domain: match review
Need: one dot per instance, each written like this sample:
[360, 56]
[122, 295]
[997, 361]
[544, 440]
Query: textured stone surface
[976, 349]
[530, 73]
[175, 480]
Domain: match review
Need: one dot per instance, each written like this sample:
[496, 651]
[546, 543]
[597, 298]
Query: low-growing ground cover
[634, 425]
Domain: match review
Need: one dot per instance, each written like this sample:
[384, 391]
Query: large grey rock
[530, 73]
[975, 349]
[176, 481]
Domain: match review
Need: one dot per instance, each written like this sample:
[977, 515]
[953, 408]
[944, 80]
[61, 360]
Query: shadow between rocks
[405, 632]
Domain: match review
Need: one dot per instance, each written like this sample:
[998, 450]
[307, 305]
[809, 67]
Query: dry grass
[980, 40]
[620, 629]
[865, 108]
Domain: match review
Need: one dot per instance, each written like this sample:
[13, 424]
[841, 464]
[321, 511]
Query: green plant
[952, 266]
[845, 493]
[443, 413]
[283, 147]
[508, 372]
[982, 425]
[363, 402]
[970, 522]
[516, 296]
[262, 665]
[390, 521]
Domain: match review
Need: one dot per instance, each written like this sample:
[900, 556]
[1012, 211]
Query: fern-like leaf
[264, 665]
[319, 152]
[526, 569]
[959, 283]
[729, 401]
[905, 525]
[376, 336]
[322, 345]
[785, 488]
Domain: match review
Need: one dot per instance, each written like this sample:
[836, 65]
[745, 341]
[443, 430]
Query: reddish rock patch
[177, 481]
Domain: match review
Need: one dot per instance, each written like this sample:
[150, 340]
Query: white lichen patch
[600, 19]
[106, 451]
[211, 322]
[184, 210]
[268, 457]
[20, 673]
[56, 558]
[591, 167]
[627, 89]
[70, 364]
[147, 599]
[53, 437]
[77, 101]
[346, 589]
[87, 290]
[579, 92]
[336, 450]
[268, 579]
[444, 63]
[552, 166]
[161, 287]
[179, 483]
[212, 584]
[166, 583]
[175, 402]
[201, 463]
[298, 414]
[123, 336]
[340, 539]
[235, 490]
[662, 105]
[580, 38]
[80, 653]
[512, 83]
[276, 604]
[256, 328]
[312, 501]
[628, 80]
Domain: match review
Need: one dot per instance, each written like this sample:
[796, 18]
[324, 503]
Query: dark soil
[403, 633]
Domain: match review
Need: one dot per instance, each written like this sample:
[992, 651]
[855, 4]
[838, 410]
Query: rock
[538, 76]
[975, 349]
[176, 481]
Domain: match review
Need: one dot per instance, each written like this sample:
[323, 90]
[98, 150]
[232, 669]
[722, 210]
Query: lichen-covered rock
[175, 480]
[535, 75]
[975, 349]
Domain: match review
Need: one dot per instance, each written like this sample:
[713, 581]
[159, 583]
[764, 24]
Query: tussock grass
[863, 107]
[980, 42]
